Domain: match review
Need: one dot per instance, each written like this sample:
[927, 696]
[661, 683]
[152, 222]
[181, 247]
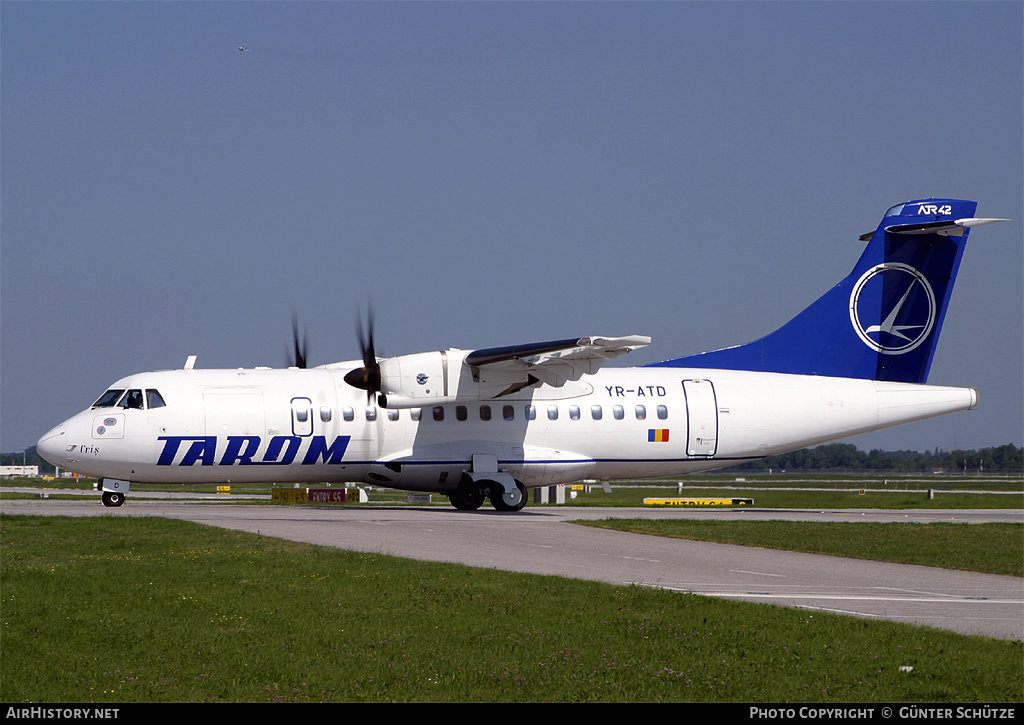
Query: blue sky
[488, 174]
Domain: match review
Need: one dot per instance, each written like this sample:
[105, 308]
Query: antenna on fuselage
[190, 362]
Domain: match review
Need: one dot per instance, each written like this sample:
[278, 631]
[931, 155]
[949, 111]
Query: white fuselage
[491, 422]
[308, 425]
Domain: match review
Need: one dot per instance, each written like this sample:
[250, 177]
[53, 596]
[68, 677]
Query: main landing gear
[470, 495]
[503, 500]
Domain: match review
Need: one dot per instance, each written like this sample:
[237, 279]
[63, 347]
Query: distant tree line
[830, 457]
[28, 458]
[847, 457]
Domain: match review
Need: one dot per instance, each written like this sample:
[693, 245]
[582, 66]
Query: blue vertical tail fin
[882, 322]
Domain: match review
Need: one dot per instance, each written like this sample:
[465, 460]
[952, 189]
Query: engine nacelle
[438, 378]
[421, 379]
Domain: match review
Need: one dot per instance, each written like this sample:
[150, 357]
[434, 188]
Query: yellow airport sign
[289, 495]
[698, 502]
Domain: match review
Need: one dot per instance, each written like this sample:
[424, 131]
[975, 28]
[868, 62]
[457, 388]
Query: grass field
[120, 610]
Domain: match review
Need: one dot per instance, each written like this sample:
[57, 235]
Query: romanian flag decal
[657, 435]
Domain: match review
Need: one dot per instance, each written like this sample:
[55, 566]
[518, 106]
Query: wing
[552, 363]
[458, 376]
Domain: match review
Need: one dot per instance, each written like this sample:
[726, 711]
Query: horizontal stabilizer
[955, 228]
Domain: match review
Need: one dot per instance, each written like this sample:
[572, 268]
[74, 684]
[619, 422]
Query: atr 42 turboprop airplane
[492, 423]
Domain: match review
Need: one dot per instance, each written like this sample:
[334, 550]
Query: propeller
[300, 348]
[367, 377]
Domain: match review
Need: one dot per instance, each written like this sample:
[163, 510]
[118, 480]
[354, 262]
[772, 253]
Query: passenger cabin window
[485, 412]
[552, 412]
[531, 413]
[461, 413]
[662, 412]
[641, 412]
[508, 412]
[438, 413]
[392, 415]
[618, 412]
[415, 413]
[349, 414]
[371, 413]
[574, 412]
[596, 412]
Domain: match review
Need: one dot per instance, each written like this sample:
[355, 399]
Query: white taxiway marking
[845, 597]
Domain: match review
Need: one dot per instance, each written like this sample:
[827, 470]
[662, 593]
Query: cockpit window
[895, 210]
[109, 399]
[132, 399]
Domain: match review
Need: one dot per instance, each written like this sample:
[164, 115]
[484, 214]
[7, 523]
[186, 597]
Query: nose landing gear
[113, 491]
[112, 498]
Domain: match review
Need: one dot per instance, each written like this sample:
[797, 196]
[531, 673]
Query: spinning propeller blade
[300, 349]
[367, 377]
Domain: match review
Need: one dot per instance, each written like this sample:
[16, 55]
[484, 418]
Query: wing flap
[554, 362]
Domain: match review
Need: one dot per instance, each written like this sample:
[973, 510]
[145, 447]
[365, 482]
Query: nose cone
[53, 447]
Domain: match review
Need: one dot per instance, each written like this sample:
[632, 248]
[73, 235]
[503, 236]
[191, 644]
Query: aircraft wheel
[502, 501]
[112, 498]
[467, 497]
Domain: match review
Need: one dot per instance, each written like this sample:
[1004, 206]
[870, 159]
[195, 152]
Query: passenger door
[701, 417]
[302, 417]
